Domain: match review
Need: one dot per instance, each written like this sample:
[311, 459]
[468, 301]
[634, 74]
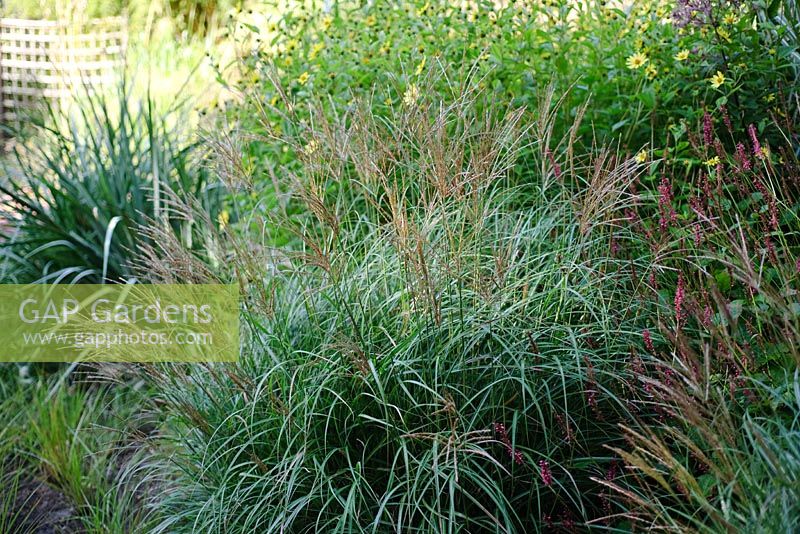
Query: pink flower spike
[754, 139]
[648, 341]
[741, 157]
[547, 476]
[708, 129]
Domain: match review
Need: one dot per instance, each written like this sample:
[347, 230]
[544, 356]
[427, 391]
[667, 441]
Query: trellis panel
[43, 60]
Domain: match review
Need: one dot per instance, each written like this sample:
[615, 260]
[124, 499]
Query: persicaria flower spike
[648, 341]
[708, 129]
[754, 139]
[742, 158]
[547, 475]
[668, 214]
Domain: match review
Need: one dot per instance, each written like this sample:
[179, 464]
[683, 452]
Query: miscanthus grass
[444, 345]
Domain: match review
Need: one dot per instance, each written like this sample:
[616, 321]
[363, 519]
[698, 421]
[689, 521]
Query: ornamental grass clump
[443, 343]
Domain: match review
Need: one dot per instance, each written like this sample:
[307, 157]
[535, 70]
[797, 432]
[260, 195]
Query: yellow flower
[274, 100]
[421, 66]
[326, 23]
[717, 80]
[770, 97]
[411, 95]
[223, 219]
[651, 71]
[636, 61]
[387, 102]
[730, 18]
[315, 50]
[291, 44]
[303, 78]
[370, 21]
[725, 34]
[683, 55]
[712, 162]
[641, 157]
[288, 61]
[764, 152]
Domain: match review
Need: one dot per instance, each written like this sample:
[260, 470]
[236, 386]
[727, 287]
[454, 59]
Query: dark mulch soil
[39, 509]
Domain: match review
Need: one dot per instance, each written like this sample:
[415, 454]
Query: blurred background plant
[80, 194]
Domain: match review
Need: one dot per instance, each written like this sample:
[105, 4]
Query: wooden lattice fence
[49, 60]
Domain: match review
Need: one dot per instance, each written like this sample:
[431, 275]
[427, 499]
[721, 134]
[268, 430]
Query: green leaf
[648, 97]
[723, 279]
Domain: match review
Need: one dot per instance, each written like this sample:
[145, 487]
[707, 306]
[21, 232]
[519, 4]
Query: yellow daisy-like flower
[303, 78]
[717, 80]
[421, 66]
[411, 95]
[315, 50]
[370, 20]
[223, 219]
[387, 101]
[641, 157]
[713, 162]
[725, 34]
[636, 61]
[730, 18]
[651, 72]
[764, 152]
[326, 23]
[683, 55]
